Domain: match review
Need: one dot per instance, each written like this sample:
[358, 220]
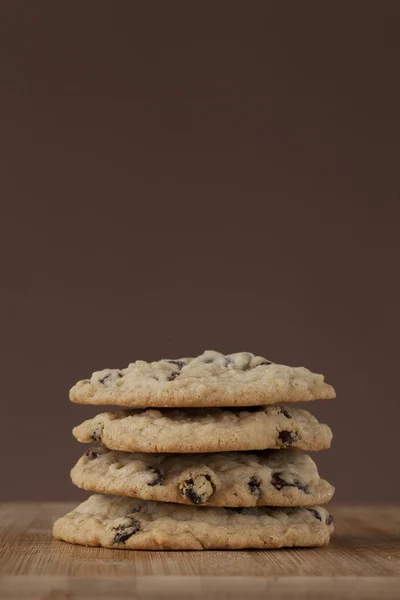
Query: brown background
[182, 176]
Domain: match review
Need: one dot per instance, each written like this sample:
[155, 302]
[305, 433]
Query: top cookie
[211, 379]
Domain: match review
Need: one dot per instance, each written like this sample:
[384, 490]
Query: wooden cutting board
[362, 561]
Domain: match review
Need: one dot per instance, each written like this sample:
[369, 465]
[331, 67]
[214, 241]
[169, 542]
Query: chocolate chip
[193, 489]
[125, 531]
[284, 412]
[179, 363]
[315, 513]
[158, 476]
[288, 437]
[97, 433]
[190, 493]
[300, 485]
[110, 377]
[279, 482]
[255, 486]
[91, 453]
[173, 375]
[329, 519]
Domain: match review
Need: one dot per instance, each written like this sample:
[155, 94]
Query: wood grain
[363, 560]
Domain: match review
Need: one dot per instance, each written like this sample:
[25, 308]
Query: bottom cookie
[127, 523]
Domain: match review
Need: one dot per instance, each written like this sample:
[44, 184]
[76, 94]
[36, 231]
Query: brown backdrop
[183, 176]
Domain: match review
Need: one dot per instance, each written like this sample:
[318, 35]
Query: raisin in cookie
[206, 430]
[270, 478]
[211, 379]
[126, 523]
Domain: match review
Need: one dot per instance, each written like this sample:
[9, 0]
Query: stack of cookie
[210, 462]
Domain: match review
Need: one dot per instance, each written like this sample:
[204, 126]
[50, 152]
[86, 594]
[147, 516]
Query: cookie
[206, 430]
[211, 379]
[236, 479]
[126, 523]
